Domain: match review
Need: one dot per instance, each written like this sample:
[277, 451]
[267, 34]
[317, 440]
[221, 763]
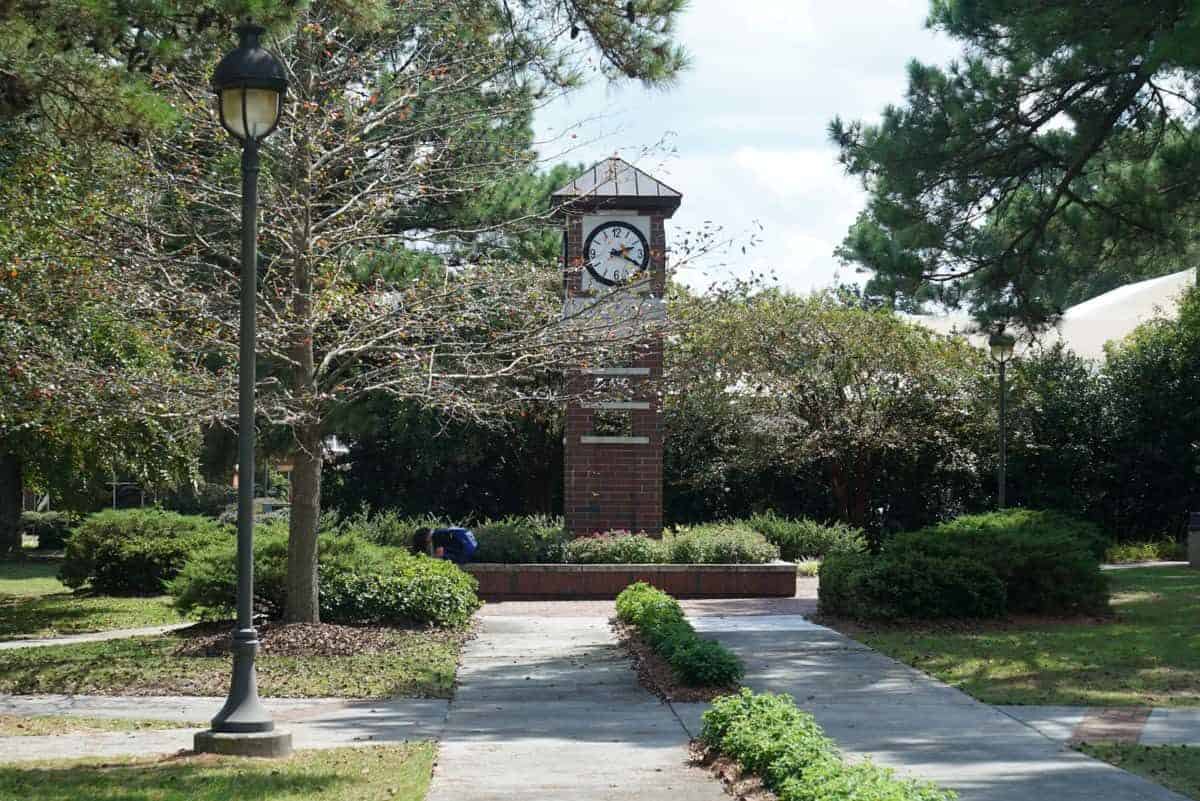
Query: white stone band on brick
[643, 405]
[587, 439]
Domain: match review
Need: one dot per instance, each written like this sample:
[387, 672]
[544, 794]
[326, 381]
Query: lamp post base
[269, 744]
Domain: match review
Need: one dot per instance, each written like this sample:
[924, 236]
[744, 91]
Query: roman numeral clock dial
[615, 253]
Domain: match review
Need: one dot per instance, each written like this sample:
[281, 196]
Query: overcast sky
[747, 123]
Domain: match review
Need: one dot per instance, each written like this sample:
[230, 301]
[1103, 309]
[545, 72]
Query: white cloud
[747, 124]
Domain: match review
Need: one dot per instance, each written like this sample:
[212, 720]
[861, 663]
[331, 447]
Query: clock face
[614, 252]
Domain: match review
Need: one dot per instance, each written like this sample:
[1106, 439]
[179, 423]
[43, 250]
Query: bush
[1152, 551]
[975, 566]
[50, 528]
[617, 548]
[719, 544]
[660, 621]
[786, 748]
[534, 539]
[800, 539]
[386, 527]
[360, 582]
[134, 551]
[909, 585]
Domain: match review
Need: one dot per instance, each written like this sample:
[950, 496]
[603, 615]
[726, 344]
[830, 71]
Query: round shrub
[618, 548]
[801, 538]
[904, 584]
[360, 582]
[135, 551]
[50, 528]
[534, 539]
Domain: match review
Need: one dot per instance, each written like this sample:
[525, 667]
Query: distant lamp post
[250, 86]
[1002, 345]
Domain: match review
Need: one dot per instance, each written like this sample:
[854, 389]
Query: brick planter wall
[575, 582]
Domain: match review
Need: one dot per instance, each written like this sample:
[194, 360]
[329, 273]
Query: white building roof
[1086, 328]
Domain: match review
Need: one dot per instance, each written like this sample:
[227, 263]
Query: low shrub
[534, 539]
[50, 528]
[134, 551]
[976, 566]
[1151, 551]
[659, 619]
[787, 749]
[719, 544]
[620, 548]
[808, 568]
[386, 527]
[800, 538]
[909, 585]
[360, 582]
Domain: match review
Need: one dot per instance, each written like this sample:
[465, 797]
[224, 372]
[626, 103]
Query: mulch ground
[739, 784]
[656, 675]
[290, 639]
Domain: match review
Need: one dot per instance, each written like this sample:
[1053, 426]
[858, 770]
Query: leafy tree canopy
[1055, 160]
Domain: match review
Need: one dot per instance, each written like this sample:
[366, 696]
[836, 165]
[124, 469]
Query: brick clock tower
[614, 254]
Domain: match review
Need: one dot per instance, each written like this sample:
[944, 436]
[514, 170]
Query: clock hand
[626, 257]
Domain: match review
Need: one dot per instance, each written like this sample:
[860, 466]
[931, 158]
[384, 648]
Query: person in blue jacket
[454, 544]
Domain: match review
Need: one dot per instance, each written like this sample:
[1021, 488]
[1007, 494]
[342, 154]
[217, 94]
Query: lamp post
[1002, 345]
[250, 85]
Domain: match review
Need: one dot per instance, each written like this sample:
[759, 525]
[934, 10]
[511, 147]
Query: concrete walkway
[873, 705]
[1116, 724]
[314, 723]
[547, 709]
[94, 636]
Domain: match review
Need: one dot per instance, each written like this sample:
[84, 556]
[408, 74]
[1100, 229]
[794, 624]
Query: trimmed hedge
[51, 528]
[720, 544]
[618, 548]
[660, 620]
[360, 582]
[979, 566]
[134, 551]
[533, 539]
[786, 748]
[801, 539]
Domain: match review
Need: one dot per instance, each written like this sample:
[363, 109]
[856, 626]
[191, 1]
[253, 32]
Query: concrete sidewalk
[874, 706]
[93, 636]
[1144, 726]
[547, 709]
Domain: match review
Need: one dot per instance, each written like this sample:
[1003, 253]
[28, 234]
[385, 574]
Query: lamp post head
[1002, 345]
[250, 84]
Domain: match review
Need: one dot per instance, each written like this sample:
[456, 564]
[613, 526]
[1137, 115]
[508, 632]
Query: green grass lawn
[1176, 767]
[421, 664]
[41, 725]
[1148, 653]
[34, 603]
[395, 773]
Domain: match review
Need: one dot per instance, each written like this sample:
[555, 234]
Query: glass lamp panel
[258, 116]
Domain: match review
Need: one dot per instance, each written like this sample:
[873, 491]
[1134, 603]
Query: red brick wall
[616, 486]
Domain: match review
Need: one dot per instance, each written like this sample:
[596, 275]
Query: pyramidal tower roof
[616, 184]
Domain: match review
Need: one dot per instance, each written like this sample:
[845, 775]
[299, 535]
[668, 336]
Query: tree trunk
[11, 497]
[303, 592]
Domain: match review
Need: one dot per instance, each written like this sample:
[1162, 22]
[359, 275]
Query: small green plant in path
[1176, 767]
[659, 619]
[1148, 653]
[396, 773]
[786, 748]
